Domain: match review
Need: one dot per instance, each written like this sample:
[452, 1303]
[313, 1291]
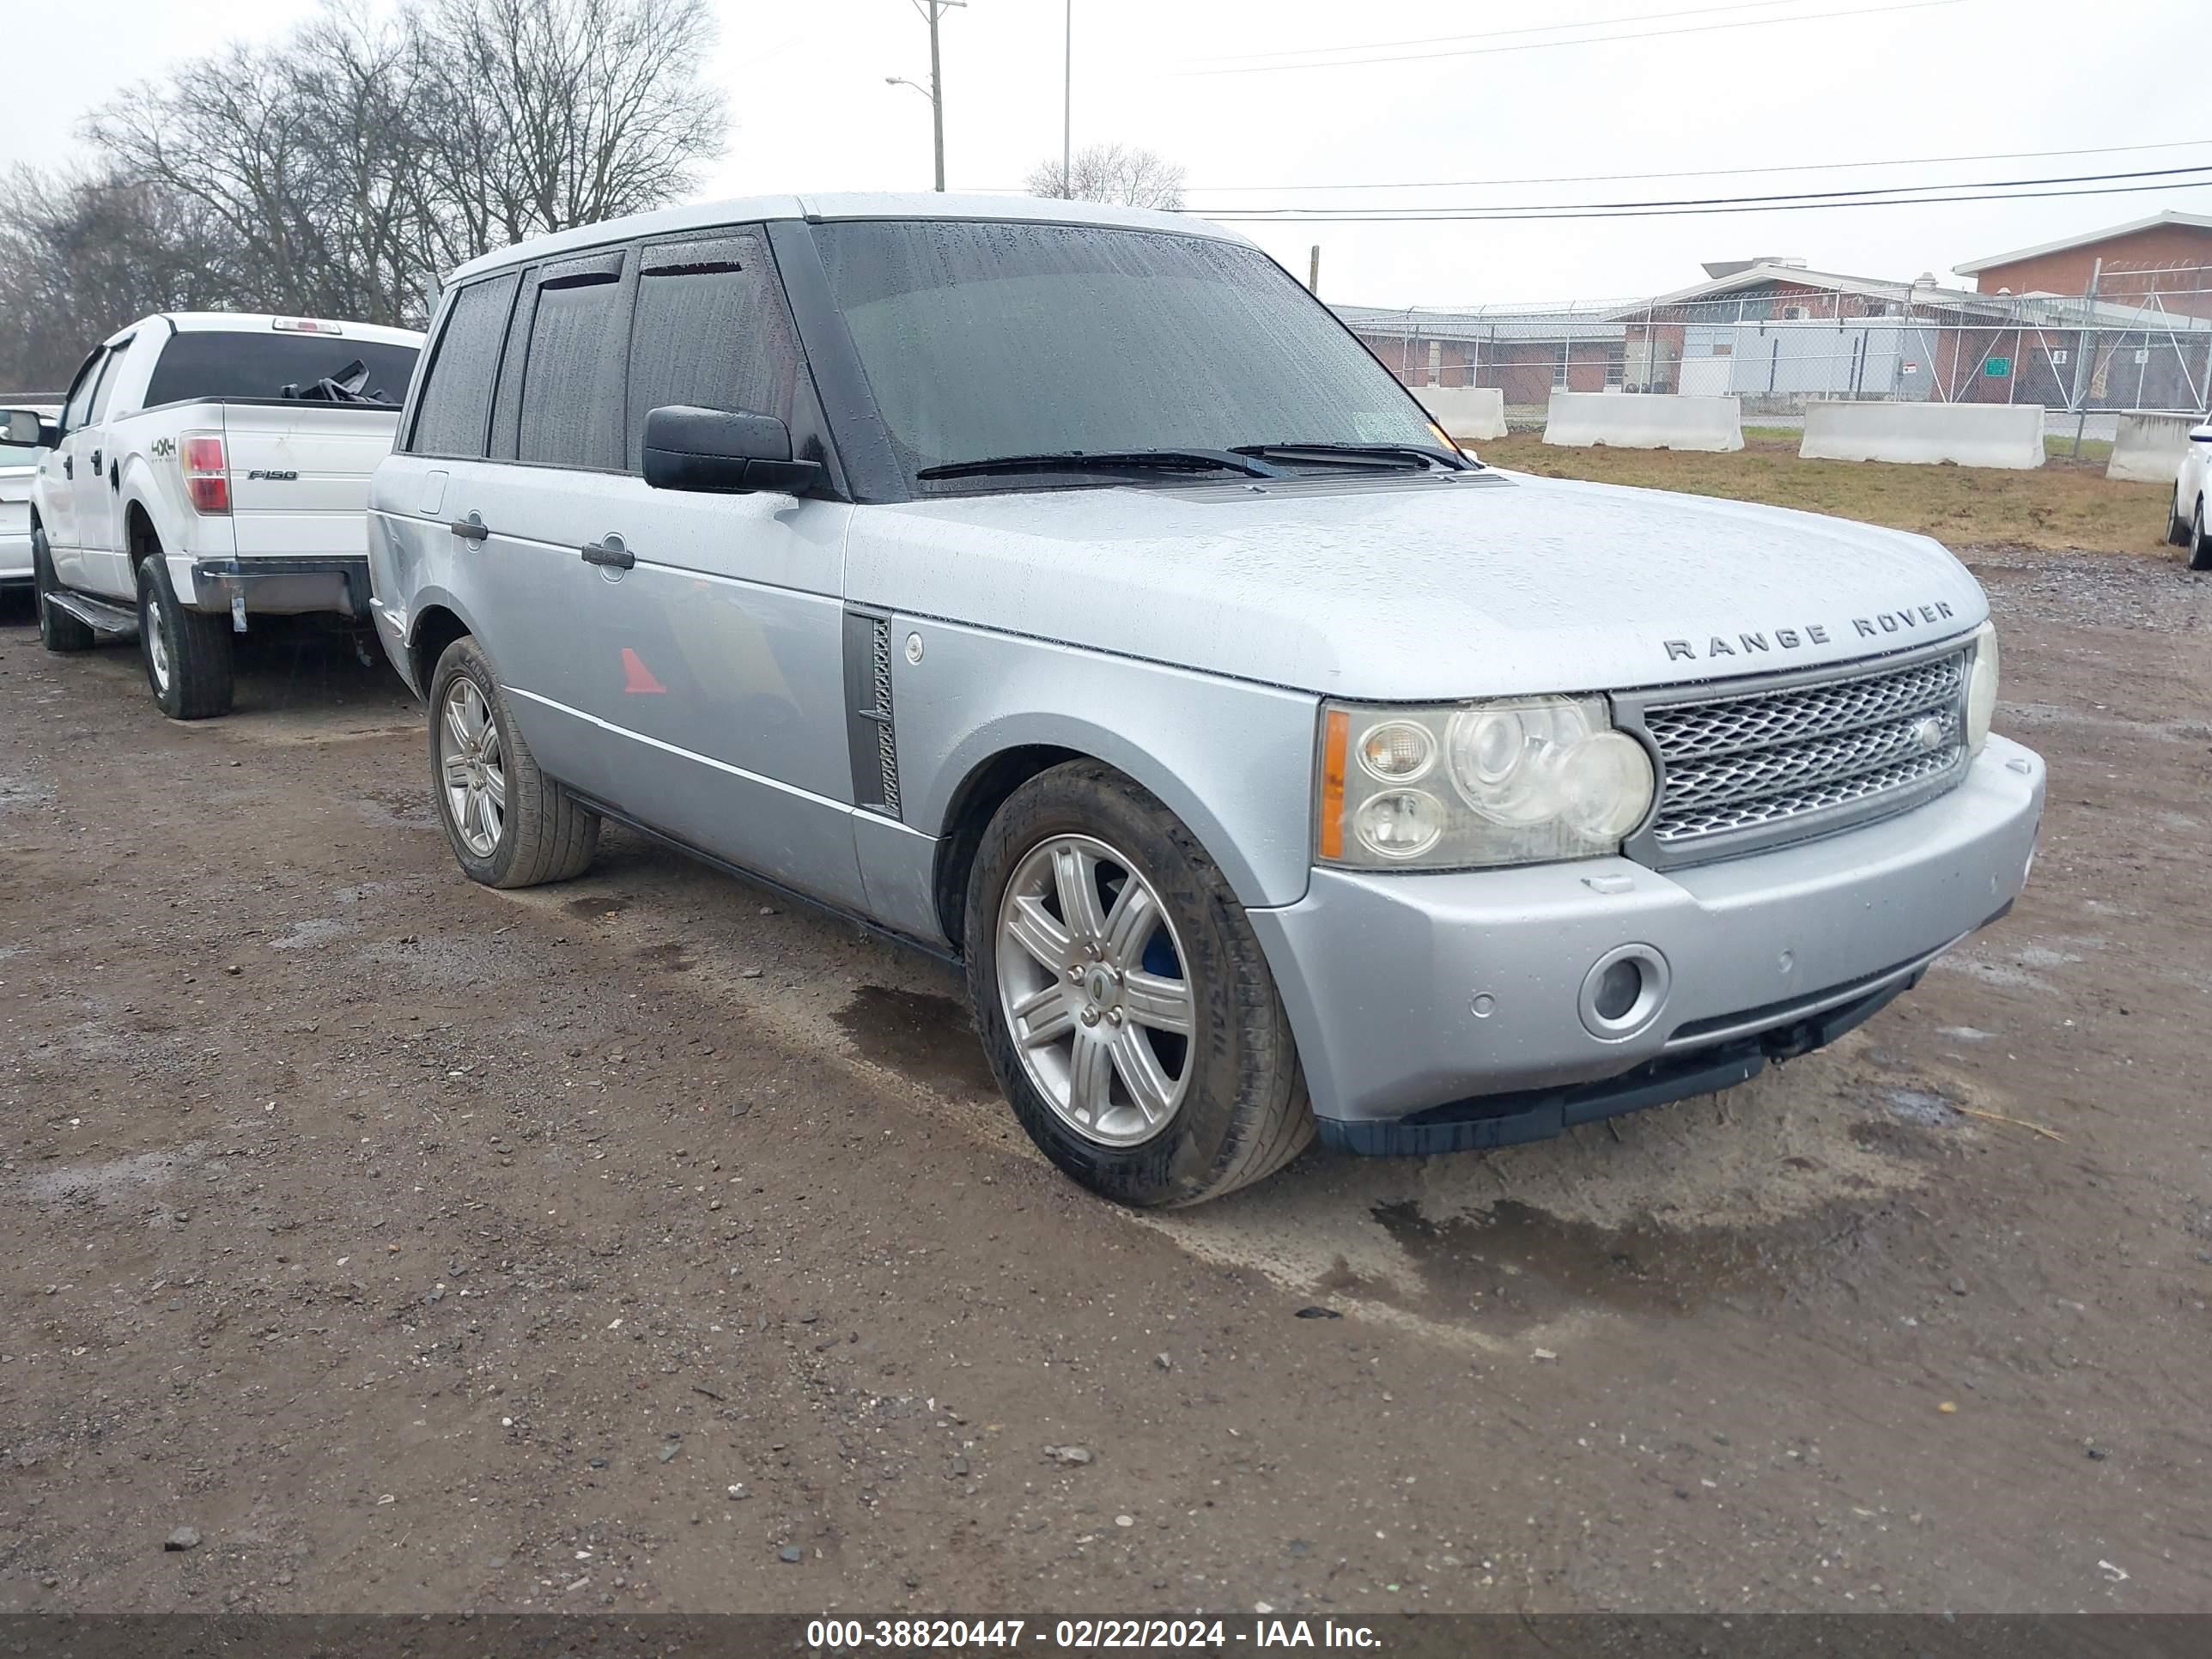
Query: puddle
[925, 1037]
[675, 957]
[1517, 1265]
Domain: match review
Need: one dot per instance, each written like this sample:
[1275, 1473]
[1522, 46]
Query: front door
[681, 654]
[72, 457]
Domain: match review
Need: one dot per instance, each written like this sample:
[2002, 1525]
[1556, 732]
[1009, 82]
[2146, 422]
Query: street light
[932, 11]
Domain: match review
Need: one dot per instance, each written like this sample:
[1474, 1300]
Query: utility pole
[932, 11]
[1313, 272]
[1068, 100]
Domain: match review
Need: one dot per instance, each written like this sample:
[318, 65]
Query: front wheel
[1125, 1005]
[187, 653]
[58, 631]
[2200, 539]
[510, 825]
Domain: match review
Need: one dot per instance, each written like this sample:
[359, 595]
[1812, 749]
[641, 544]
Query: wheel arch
[1001, 757]
[435, 623]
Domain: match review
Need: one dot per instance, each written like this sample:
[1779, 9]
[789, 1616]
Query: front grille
[1752, 768]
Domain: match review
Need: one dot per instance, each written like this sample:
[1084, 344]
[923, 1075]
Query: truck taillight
[207, 471]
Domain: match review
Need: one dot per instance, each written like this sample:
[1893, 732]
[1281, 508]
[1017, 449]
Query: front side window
[986, 339]
[456, 401]
[711, 331]
[572, 378]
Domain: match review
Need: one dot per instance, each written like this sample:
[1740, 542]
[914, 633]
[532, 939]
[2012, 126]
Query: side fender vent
[870, 732]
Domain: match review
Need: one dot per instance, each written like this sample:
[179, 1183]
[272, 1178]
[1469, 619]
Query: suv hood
[1485, 584]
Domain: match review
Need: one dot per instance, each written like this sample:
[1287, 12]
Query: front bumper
[275, 586]
[1776, 952]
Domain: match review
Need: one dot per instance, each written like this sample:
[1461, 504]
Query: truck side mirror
[727, 453]
[27, 429]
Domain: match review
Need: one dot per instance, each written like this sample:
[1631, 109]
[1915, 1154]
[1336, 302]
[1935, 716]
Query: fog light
[1624, 992]
[1618, 988]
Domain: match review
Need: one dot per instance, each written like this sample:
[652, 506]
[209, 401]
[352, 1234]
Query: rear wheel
[2176, 522]
[1125, 1005]
[510, 825]
[2200, 539]
[187, 653]
[57, 629]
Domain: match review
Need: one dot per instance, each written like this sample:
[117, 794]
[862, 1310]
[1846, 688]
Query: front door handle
[611, 553]
[470, 529]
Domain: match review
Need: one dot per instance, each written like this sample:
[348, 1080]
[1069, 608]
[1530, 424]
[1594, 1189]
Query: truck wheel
[1125, 1007]
[187, 653]
[57, 629]
[510, 825]
[2177, 527]
[2200, 539]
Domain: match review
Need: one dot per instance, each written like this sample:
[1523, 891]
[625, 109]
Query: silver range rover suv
[1062, 590]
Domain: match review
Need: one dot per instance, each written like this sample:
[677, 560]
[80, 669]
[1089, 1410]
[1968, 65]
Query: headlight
[1982, 688]
[1520, 780]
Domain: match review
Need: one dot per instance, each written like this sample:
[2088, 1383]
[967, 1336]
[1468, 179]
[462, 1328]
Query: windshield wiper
[1108, 460]
[1397, 457]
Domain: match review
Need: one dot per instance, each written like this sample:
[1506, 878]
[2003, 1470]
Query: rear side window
[204, 363]
[457, 397]
[103, 392]
[710, 331]
[571, 379]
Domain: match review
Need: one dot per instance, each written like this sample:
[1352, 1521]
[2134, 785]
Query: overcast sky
[1878, 80]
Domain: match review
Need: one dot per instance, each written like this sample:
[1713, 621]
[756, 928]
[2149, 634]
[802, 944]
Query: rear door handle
[611, 553]
[95, 460]
[470, 529]
[69, 466]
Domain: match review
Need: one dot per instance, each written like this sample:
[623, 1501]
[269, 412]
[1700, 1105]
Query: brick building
[2164, 261]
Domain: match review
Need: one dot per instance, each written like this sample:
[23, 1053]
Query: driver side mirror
[723, 453]
[27, 429]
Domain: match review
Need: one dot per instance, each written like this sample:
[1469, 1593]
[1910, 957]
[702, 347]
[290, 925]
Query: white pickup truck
[208, 467]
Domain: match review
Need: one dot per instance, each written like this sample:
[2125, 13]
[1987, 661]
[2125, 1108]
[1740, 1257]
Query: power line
[1496, 35]
[1717, 173]
[1493, 217]
[1807, 197]
[1592, 40]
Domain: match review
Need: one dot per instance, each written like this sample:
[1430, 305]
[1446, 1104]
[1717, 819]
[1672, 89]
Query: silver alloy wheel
[471, 767]
[1096, 990]
[157, 643]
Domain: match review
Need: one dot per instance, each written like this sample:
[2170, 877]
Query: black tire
[544, 833]
[57, 629]
[1244, 1113]
[2200, 539]
[2177, 527]
[187, 652]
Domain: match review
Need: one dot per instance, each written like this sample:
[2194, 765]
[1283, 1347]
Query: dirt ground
[640, 1243]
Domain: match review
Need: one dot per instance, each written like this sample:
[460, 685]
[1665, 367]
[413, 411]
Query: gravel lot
[639, 1244]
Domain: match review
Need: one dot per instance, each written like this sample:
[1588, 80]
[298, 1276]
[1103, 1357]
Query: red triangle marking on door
[637, 678]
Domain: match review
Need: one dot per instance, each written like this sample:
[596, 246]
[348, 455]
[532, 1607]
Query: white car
[2189, 519]
[19, 463]
[206, 468]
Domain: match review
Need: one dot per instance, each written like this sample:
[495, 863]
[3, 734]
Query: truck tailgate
[299, 476]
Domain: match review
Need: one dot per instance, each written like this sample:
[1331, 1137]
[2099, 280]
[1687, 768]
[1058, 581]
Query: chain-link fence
[1790, 339]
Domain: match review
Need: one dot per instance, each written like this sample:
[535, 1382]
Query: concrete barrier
[1925, 434]
[1468, 414]
[1638, 420]
[2149, 448]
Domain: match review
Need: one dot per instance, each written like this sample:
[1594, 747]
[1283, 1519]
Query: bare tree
[1127, 176]
[359, 160]
[81, 254]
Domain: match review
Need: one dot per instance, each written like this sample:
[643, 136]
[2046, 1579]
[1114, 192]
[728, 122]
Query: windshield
[988, 339]
[209, 363]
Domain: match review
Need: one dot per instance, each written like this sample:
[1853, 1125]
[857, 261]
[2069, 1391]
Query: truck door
[57, 505]
[96, 490]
